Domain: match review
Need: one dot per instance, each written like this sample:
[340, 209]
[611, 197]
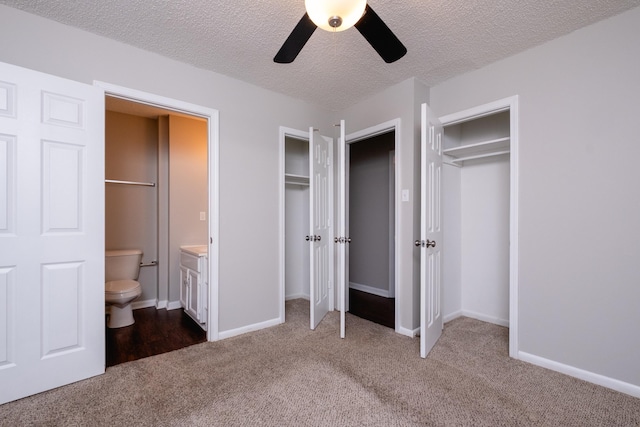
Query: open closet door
[320, 224]
[342, 241]
[430, 242]
[51, 232]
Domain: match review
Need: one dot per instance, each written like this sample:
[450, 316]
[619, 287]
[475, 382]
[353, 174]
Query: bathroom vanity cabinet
[194, 286]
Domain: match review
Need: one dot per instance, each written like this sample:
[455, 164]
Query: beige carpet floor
[289, 375]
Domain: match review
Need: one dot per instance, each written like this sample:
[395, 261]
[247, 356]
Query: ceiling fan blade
[380, 37]
[296, 41]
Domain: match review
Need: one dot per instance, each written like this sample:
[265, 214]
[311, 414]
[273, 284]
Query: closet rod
[480, 156]
[145, 184]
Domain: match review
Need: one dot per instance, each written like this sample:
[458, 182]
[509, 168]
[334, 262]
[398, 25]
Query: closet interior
[297, 265]
[476, 220]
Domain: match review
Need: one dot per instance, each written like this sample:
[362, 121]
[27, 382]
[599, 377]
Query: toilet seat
[121, 288]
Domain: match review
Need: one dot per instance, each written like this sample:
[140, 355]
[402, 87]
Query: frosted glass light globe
[322, 12]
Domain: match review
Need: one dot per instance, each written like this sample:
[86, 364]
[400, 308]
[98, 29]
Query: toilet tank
[122, 264]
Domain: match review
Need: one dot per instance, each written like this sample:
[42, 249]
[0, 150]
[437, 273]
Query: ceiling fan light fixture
[335, 15]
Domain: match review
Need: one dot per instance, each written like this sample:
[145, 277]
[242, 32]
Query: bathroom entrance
[161, 196]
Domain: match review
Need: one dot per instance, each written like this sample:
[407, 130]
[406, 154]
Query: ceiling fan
[339, 15]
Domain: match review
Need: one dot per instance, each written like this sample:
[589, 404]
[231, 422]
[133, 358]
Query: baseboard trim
[296, 296]
[452, 316]
[173, 305]
[249, 328]
[369, 289]
[408, 332]
[161, 304]
[136, 305]
[617, 385]
[485, 318]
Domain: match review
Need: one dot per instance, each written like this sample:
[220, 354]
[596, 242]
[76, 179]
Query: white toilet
[121, 274]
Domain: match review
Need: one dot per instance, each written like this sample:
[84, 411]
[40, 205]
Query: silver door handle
[426, 243]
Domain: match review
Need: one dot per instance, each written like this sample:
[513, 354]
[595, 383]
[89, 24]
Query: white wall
[579, 195]
[250, 118]
[297, 261]
[452, 242]
[485, 239]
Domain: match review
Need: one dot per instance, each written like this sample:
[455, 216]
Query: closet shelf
[296, 179]
[478, 150]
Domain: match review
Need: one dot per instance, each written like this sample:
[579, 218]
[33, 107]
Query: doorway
[480, 200]
[371, 219]
[391, 294]
[168, 285]
[306, 221]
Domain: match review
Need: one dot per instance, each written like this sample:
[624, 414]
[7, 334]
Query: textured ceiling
[239, 38]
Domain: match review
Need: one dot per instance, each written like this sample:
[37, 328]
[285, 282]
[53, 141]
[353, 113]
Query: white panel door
[342, 246]
[430, 231]
[51, 232]
[320, 223]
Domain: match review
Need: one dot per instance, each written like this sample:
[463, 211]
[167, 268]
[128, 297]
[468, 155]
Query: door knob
[417, 242]
[430, 244]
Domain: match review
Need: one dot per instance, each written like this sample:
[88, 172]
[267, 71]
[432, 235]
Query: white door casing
[51, 232]
[213, 148]
[320, 224]
[430, 242]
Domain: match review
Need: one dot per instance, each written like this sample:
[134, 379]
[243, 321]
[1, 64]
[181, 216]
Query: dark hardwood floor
[375, 308]
[154, 332]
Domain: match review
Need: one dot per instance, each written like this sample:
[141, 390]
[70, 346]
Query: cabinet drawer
[189, 261]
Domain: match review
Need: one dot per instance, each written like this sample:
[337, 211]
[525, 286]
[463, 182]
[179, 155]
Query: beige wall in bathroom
[131, 151]
[188, 191]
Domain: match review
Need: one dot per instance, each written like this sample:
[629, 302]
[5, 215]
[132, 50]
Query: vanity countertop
[197, 250]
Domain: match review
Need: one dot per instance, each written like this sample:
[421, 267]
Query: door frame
[506, 104]
[213, 147]
[370, 132]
